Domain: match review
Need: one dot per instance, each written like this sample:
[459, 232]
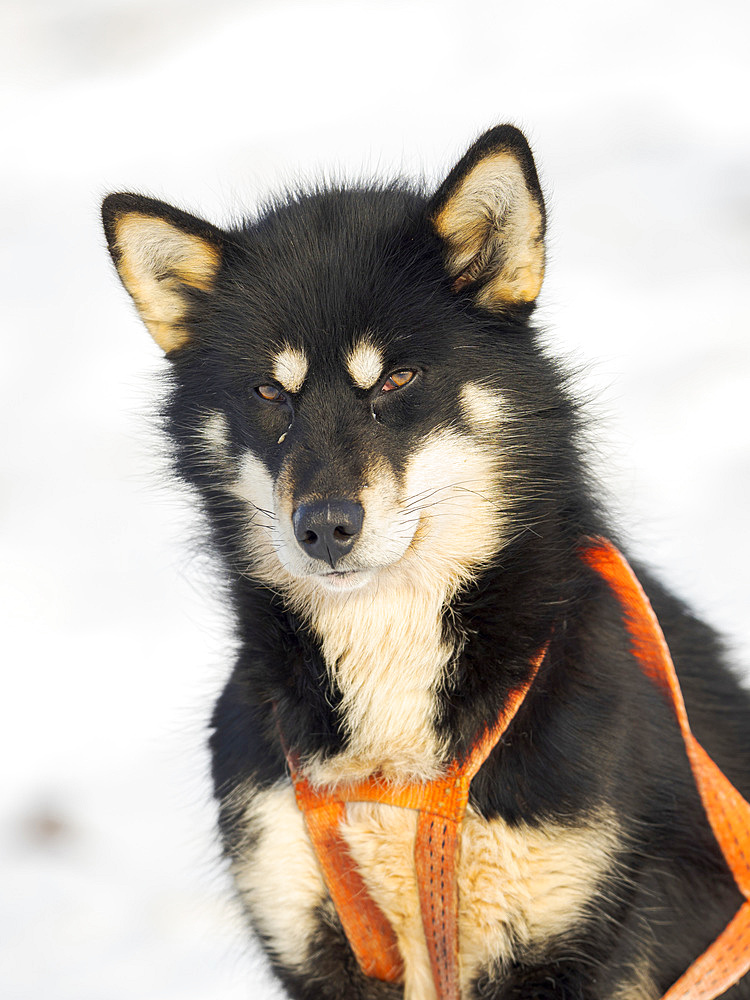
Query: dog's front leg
[564, 979]
[331, 971]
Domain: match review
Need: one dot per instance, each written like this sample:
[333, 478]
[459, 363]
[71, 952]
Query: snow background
[114, 642]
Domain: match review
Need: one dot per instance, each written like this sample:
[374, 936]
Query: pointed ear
[161, 254]
[490, 214]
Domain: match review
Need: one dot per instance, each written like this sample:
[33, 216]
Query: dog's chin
[341, 582]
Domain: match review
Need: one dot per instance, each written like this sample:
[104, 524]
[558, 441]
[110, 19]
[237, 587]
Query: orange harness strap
[441, 805]
[727, 960]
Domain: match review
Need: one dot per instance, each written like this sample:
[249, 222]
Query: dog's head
[357, 392]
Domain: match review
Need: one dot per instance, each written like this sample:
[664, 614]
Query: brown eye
[398, 380]
[270, 393]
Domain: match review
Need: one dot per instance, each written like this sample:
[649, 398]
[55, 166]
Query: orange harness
[441, 805]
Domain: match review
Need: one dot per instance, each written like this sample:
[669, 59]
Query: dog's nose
[327, 529]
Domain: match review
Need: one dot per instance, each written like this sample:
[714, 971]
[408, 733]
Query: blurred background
[114, 641]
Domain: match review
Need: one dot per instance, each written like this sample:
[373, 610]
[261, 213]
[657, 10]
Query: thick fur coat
[391, 473]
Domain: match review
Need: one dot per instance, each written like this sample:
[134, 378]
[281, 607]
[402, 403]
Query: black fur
[593, 730]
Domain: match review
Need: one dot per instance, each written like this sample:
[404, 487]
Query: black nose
[327, 529]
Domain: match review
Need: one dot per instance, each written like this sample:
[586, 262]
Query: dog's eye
[398, 380]
[270, 393]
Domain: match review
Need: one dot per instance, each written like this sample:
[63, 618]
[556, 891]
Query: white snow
[114, 639]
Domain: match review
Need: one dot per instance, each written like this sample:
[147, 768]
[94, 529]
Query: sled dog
[443, 764]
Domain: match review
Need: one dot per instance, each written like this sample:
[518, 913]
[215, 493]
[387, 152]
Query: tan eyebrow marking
[365, 364]
[290, 368]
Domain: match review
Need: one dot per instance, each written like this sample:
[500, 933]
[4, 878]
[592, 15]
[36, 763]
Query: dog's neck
[387, 653]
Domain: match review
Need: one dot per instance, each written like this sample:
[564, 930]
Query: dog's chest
[387, 657]
[517, 886]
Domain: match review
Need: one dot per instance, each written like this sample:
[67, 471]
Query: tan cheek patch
[386, 534]
[365, 364]
[215, 435]
[482, 407]
[453, 485]
[156, 259]
[254, 485]
[290, 368]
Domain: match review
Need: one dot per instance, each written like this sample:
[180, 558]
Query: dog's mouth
[343, 580]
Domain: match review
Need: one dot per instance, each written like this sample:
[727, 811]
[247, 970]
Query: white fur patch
[525, 884]
[280, 881]
[365, 364]
[290, 368]
[454, 486]
[253, 484]
[384, 646]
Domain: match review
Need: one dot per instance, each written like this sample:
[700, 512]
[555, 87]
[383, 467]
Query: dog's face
[354, 379]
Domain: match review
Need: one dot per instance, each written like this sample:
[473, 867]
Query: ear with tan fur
[490, 214]
[161, 254]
